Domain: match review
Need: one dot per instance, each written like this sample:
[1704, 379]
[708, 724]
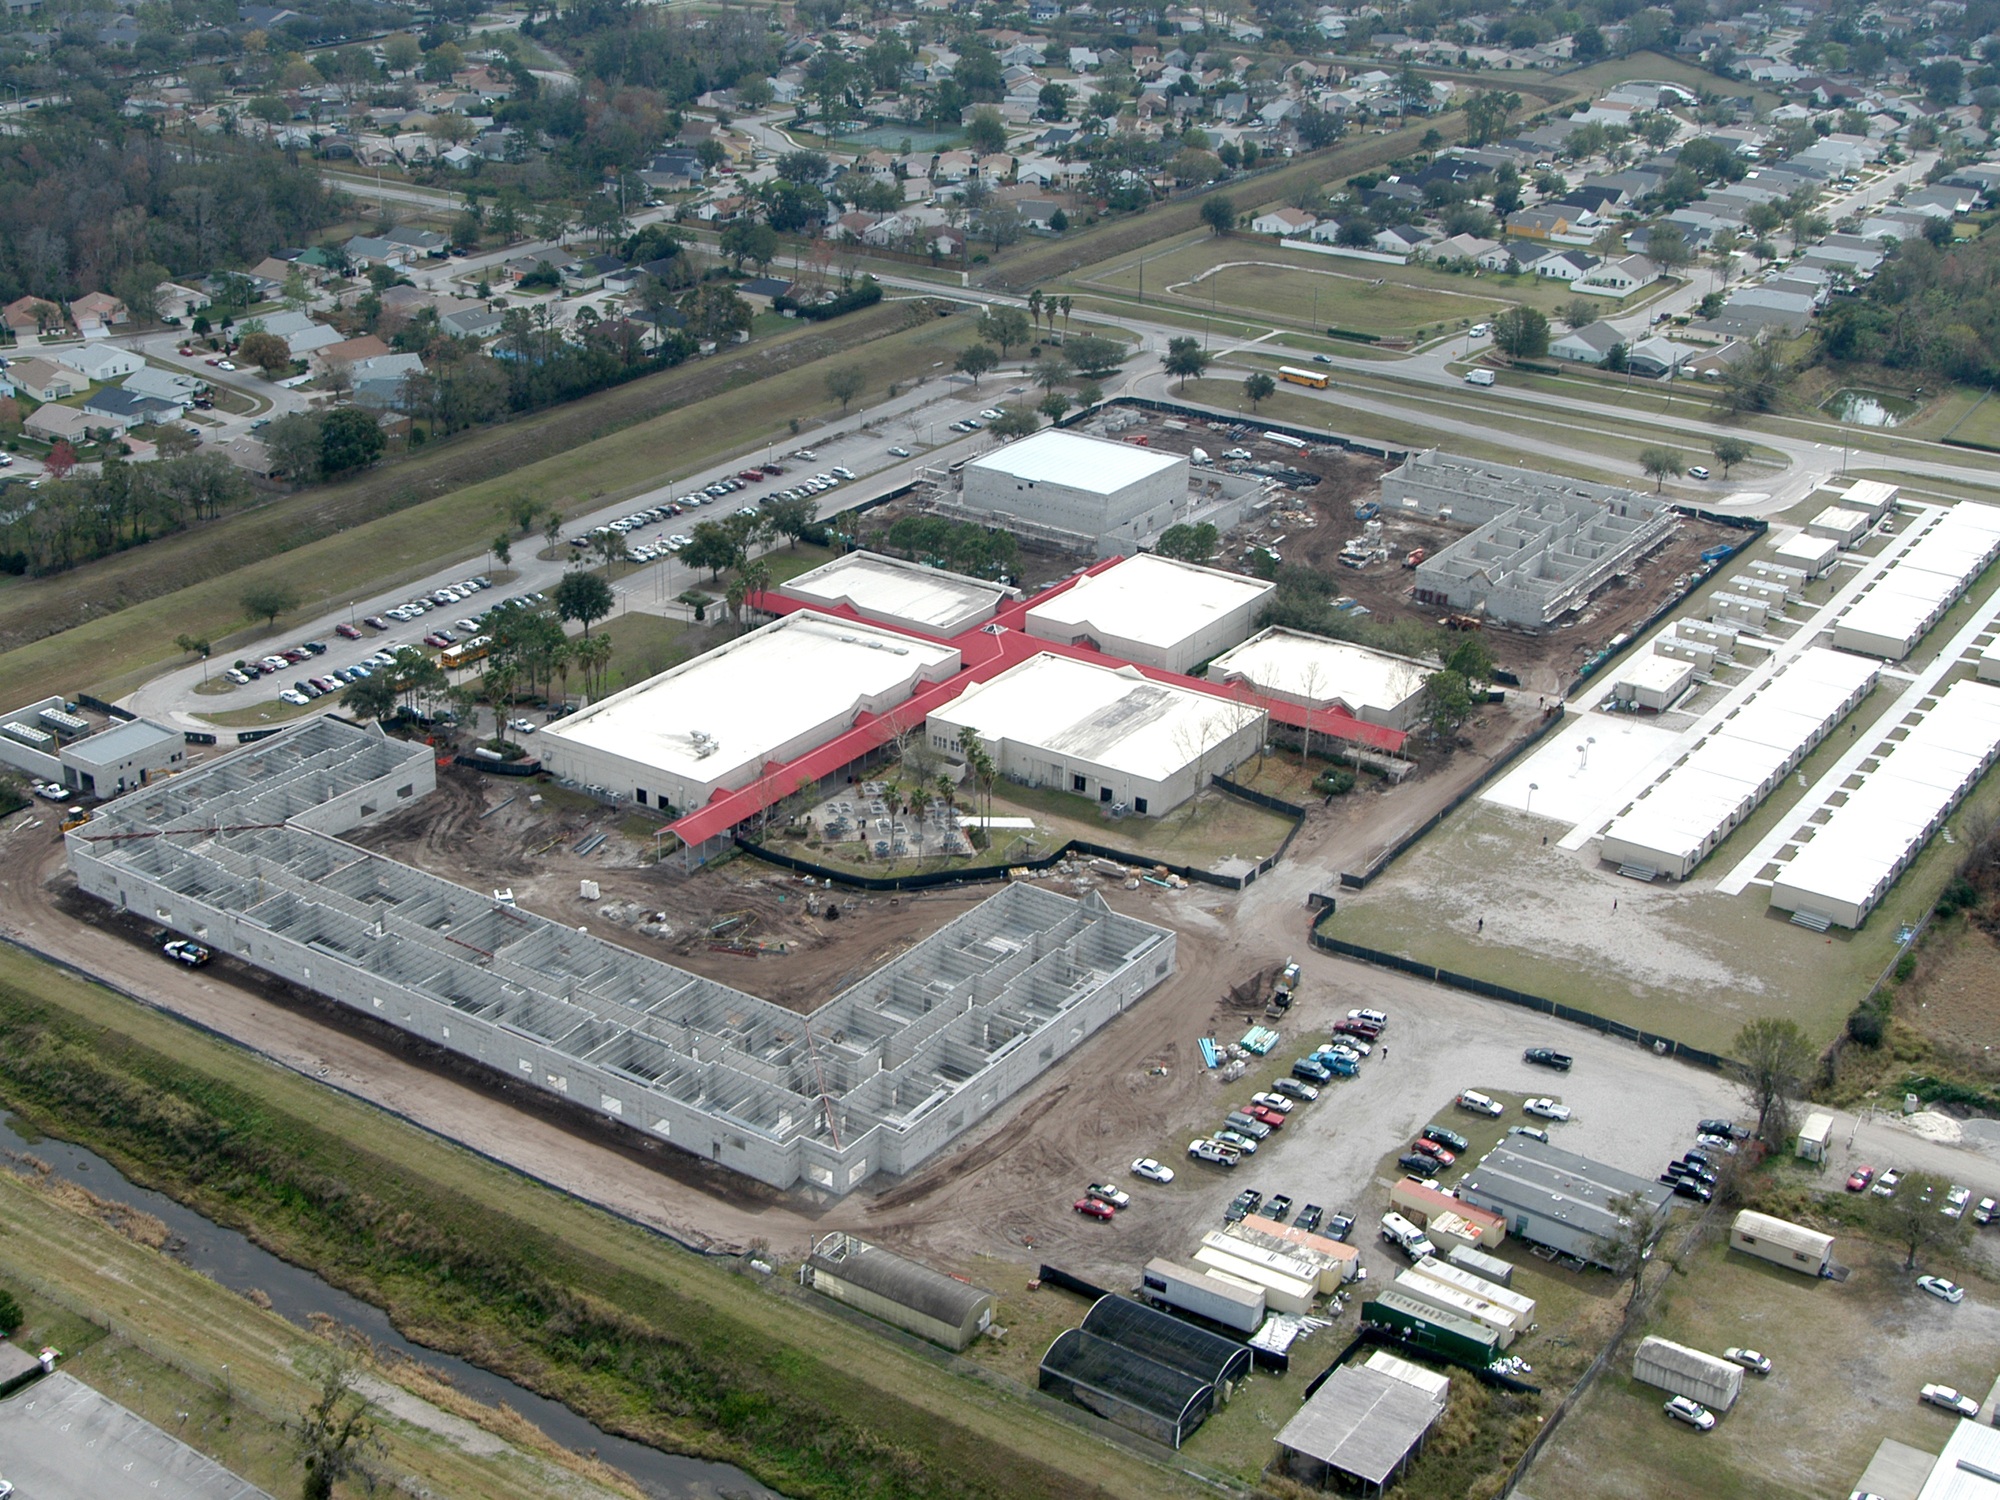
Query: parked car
[1104, 1192]
[1242, 1205]
[1724, 1129]
[1548, 1057]
[1532, 1132]
[1151, 1170]
[185, 951]
[1949, 1399]
[1375, 1018]
[1696, 471]
[351, 632]
[1276, 1102]
[1720, 1143]
[1546, 1109]
[1685, 1168]
[1309, 1218]
[1943, 1290]
[1885, 1184]
[1270, 1117]
[1750, 1359]
[1256, 1129]
[1859, 1178]
[1308, 1071]
[1443, 1155]
[1091, 1208]
[1479, 1104]
[1339, 1226]
[1237, 1139]
[1687, 1187]
[1293, 1088]
[899, 453]
[1214, 1153]
[1419, 1165]
[1986, 1212]
[1368, 1031]
[1446, 1137]
[1697, 1416]
[1279, 1208]
[1955, 1200]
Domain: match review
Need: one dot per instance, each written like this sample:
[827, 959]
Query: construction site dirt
[1004, 1190]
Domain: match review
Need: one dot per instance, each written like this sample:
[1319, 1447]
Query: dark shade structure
[1172, 1341]
[1152, 1399]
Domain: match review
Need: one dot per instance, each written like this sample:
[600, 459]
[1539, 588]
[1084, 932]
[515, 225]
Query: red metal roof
[985, 651]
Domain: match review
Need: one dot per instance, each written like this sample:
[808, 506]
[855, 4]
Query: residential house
[178, 303]
[28, 317]
[56, 424]
[249, 455]
[427, 242]
[588, 274]
[102, 362]
[94, 313]
[366, 250]
[1622, 276]
[1460, 247]
[1506, 257]
[1588, 345]
[301, 334]
[673, 171]
[165, 385]
[1402, 239]
[117, 404]
[1658, 358]
[1566, 265]
[1542, 222]
[347, 352]
[1037, 213]
[760, 291]
[469, 318]
[1282, 221]
[379, 382]
[45, 380]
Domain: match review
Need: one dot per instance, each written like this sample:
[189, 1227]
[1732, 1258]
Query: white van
[1480, 1104]
[1480, 377]
[1401, 1233]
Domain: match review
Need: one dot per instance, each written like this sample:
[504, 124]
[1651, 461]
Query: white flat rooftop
[1661, 673]
[1320, 672]
[1077, 463]
[754, 696]
[1149, 599]
[1112, 717]
[926, 599]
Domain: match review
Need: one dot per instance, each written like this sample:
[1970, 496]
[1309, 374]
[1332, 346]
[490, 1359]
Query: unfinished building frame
[1541, 544]
[243, 855]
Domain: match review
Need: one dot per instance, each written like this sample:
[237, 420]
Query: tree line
[89, 515]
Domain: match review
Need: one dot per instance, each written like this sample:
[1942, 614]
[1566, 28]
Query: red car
[1443, 1155]
[1270, 1117]
[1858, 1180]
[1091, 1208]
[352, 632]
[1366, 1030]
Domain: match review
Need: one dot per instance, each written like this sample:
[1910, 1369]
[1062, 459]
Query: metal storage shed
[1782, 1243]
[1715, 1383]
[1170, 1340]
[1362, 1424]
[1139, 1393]
[913, 1297]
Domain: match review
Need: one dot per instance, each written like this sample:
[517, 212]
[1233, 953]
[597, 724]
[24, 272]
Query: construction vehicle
[1417, 555]
[1461, 622]
[1284, 990]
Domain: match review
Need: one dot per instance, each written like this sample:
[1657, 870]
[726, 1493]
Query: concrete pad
[65, 1441]
[1584, 769]
[1896, 1472]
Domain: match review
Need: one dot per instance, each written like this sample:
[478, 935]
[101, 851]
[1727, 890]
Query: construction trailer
[1782, 1243]
[1423, 1326]
[1815, 1136]
[1284, 1291]
[1468, 1280]
[1439, 1213]
[1504, 1321]
[1487, 1267]
[1191, 1290]
[1714, 1382]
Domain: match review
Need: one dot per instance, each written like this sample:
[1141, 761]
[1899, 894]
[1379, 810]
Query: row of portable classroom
[1450, 1312]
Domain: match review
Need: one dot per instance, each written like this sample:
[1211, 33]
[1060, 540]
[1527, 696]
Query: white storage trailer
[1205, 1296]
[1504, 1322]
[1487, 1267]
[1713, 1382]
[1283, 1292]
[1468, 1280]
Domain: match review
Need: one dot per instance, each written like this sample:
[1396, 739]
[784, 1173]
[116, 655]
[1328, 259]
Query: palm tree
[561, 659]
[920, 803]
[1035, 306]
[1064, 301]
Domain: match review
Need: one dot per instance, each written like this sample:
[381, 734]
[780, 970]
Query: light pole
[1532, 789]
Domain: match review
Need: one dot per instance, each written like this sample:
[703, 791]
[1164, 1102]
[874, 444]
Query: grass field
[1977, 421]
[208, 574]
[156, 1337]
[1861, 1347]
[645, 1339]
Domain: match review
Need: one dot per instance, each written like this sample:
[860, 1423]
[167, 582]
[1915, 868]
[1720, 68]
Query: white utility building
[1813, 555]
[1856, 855]
[1073, 489]
[714, 723]
[901, 595]
[1154, 611]
[1110, 734]
[1654, 682]
[1677, 821]
[1898, 609]
[1314, 672]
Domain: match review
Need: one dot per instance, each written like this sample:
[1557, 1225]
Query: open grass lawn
[124, 612]
[155, 1336]
[495, 1267]
[1848, 1359]
[257, 715]
[1974, 420]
